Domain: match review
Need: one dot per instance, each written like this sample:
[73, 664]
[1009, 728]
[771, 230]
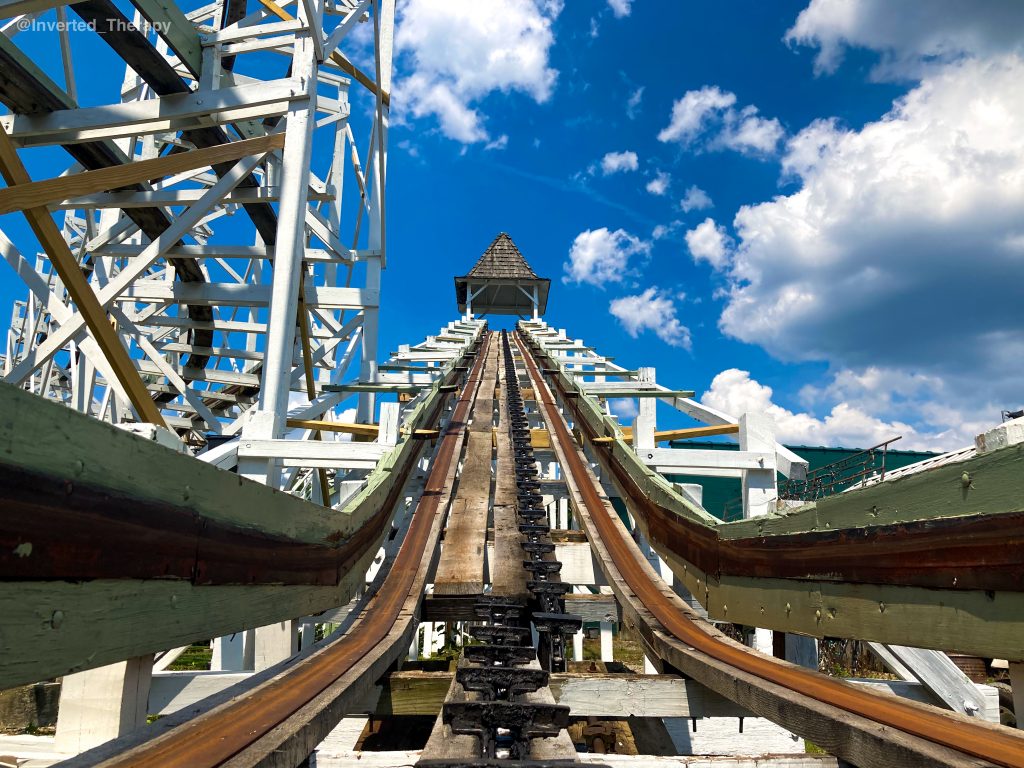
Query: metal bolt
[57, 619]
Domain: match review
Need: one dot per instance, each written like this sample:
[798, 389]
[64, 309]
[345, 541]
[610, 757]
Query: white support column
[269, 421]
[308, 635]
[607, 652]
[645, 423]
[275, 643]
[229, 653]
[103, 703]
[577, 646]
[759, 489]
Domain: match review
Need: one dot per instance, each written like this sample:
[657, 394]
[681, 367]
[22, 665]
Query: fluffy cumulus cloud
[860, 409]
[708, 242]
[695, 199]
[735, 392]
[709, 118]
[502, 45]
[619, 162]
[599, 256]
[620, 8]
[910, 36]
[652, 310]
[659, 184]
[903, 249]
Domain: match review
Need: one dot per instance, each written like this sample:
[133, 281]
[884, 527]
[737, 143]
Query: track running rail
[231, 734]
[992, 743]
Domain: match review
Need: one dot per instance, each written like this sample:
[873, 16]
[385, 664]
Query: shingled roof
[502, 282]
[502, 261]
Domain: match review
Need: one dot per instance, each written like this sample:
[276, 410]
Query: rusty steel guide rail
[231, 734]
[997, 745]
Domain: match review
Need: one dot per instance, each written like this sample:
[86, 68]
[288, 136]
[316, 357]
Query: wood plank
[292, 740]
[508, 577]
[461, 568]
[39, 194]
[55, 626]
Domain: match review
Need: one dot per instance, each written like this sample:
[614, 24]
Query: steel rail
[211, 739]
[999, 746]
[950, 552]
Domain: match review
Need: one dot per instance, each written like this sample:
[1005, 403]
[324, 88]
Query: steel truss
[211, 252]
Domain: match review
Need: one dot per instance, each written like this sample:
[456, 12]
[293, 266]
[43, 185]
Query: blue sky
[479, 148]
[811, 208]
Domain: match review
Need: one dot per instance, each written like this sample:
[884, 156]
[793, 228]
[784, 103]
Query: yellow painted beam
[82, 295]
[677, 434]
[363, 430]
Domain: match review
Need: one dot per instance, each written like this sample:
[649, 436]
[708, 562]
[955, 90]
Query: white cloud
[896, 252]
[620, 8]
[735, 392]
[862, 409]
[651, 311]
[499, 143]
[910, 36]
[599, 256]
[619, 162]
[708, 242]
[661, 231]
[659, 184]
[633, 103]
[625, 408]
[695, 199]
[690, 113]
[502, 45]
[710, 114]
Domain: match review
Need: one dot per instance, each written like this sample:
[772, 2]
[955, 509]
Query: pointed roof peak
[502, 260]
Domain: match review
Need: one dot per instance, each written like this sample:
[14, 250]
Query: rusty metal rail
[218, 736]
[997, 745]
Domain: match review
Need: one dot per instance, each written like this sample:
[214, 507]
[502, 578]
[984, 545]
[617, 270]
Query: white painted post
[308, 635]
[275, 643]
[103, 703]
[536, 303]
[389, 418]
[577, 646]
[607, 654]
[645, 423]
[759, 489]
[229, 653]
[562, 505]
